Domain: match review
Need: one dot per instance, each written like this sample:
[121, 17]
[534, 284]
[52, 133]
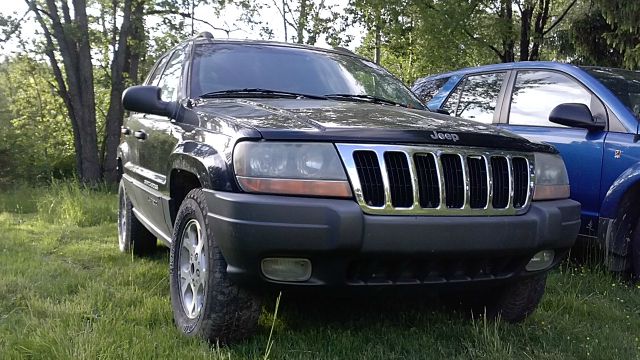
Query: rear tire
[514, 302]
[205, 302]
[132, 235]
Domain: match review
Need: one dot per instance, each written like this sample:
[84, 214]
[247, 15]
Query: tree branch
[493, 48]
[188, 16]
[14, 28]
[559, 19]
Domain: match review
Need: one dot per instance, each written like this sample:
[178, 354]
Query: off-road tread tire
[518, 300]
[138, 239]
[230, 313]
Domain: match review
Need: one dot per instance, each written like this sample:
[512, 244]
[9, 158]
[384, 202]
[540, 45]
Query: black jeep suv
[267, 166]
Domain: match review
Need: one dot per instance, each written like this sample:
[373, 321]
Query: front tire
[205, 302]
[516, 301]
[132, 235]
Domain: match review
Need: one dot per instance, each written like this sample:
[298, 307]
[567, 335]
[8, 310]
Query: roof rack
[344, 50]
[205, 34]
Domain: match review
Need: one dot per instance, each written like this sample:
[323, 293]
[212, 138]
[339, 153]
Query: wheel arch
[627, 184]
[194, 165]
[618, 216]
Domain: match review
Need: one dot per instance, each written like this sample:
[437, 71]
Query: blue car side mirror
[575, 115]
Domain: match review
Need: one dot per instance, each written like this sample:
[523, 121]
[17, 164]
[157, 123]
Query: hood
[361, 122]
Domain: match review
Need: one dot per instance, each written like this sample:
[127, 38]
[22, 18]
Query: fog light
[286, 269]
[540, 260]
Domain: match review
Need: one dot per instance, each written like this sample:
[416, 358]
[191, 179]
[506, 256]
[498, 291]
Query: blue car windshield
[625, 84]
[222, 67]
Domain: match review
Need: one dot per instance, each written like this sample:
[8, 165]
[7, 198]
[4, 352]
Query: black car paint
[199, 139]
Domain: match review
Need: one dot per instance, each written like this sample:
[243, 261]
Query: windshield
[221, 67]
[625, 84]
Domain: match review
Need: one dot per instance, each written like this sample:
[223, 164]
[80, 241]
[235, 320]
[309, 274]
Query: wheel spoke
[192, 309]
[186, 280]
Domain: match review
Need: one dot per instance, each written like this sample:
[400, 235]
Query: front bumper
[348, 248]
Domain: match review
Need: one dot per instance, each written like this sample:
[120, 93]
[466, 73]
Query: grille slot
[520, 181]
[429, 270]
[428, 181]
[370, 177]
[399, 179]
[478, 187]
[500, 172]
[438, 181]
[453, 180]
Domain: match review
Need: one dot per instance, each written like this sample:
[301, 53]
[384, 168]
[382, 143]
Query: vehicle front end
[347, 215]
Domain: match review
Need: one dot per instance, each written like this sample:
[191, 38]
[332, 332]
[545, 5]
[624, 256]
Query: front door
[532, 97]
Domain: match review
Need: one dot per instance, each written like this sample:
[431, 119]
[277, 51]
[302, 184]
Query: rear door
[476, 97]
[531, 97]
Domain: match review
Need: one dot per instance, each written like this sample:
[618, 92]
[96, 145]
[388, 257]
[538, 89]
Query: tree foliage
[68, 113]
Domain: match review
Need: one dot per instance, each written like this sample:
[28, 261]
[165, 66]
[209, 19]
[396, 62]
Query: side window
[153, 77]
[536, 93]
[451, 103]
[427, 89]
[170, 80]
[476, 98]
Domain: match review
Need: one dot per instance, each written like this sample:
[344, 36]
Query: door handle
[140, 134]
[125, 131]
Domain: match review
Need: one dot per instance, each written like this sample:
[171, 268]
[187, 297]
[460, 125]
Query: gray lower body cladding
[349, 249]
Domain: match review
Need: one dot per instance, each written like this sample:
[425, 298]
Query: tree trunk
[302, 21]
[525, 28]
[508, 43]
[115, 112]
[91, 165]
[538, 31]
[76, 87]
[378, 38]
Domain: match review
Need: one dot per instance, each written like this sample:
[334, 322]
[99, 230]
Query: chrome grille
[419, 180]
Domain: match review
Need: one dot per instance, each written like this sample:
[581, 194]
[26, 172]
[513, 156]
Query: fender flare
[612, 229]
[205, 162]
[618, 190]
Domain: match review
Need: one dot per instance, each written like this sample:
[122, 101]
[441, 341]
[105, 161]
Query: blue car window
[476, 98]
[536, 93]
[427, 89]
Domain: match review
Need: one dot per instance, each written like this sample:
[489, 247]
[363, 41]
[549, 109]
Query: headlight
[290, 168]
[552, 181]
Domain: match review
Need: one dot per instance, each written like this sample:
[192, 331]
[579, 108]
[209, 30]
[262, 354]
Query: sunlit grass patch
[67, 292]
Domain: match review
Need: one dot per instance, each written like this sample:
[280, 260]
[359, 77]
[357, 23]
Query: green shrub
[72, 203]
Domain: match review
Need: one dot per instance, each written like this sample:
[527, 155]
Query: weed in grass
[267, 350]
[72, 203]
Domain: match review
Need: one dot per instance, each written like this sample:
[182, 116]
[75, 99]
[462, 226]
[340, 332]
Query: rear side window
[536, 93]
[427, 89]
[476, 97]
[170, 80]
[153, 78]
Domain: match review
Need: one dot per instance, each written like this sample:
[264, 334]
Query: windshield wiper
[364, 97]
[259, 91]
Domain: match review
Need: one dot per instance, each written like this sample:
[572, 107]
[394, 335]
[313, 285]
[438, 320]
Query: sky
[228, 19]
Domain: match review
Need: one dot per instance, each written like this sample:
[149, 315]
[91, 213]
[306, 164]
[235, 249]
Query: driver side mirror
[146, 99]
[575, 115]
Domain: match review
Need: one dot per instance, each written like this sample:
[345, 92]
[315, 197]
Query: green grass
[66, 293]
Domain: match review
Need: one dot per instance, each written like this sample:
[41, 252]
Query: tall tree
[68, 33]
[309, 19]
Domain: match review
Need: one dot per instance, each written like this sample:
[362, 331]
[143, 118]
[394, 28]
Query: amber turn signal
[331, 188]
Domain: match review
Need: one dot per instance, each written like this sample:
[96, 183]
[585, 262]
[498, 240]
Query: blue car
[590, 114]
